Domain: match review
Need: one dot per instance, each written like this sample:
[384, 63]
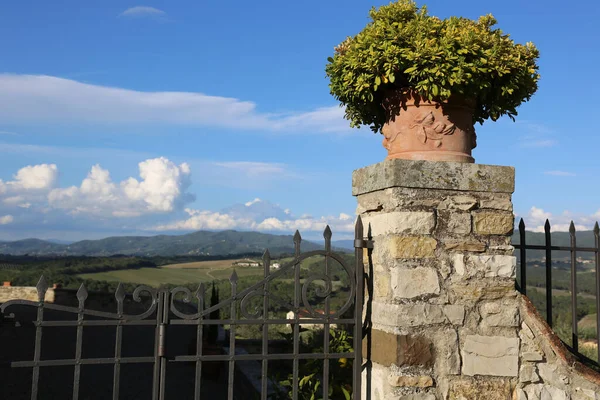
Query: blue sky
[116, 118]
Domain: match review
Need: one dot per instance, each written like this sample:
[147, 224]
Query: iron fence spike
[297, 237]
[596, 228]
[42, 287]
[120, 292]
[201, 290]
[234, 277]
[547, 226]
[327, 233]
[82, 293]
[358, 227]
[572, 228]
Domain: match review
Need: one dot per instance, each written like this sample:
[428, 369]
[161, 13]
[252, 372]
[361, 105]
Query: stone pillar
[443, 307]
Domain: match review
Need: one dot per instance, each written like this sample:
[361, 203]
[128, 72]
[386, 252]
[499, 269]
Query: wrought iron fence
[245, 307]
[573, 250]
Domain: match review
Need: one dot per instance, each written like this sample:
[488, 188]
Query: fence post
[443, 284]
[548, 236]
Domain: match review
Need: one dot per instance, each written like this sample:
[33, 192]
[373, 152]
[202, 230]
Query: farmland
[182, 273]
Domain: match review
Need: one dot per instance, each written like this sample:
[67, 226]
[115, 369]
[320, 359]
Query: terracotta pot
[418, 129]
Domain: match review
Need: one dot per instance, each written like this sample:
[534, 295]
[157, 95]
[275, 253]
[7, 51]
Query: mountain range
[228, 242]
[232, 242]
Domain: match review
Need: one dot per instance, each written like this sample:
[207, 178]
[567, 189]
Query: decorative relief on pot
[423, 130]
[388, 136]
[425, 127]
[428, 128]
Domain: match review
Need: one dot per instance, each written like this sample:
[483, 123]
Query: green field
[194, 272]
[157, 276]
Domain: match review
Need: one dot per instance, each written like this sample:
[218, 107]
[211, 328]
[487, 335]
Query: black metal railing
[249, 306]
[573, 250]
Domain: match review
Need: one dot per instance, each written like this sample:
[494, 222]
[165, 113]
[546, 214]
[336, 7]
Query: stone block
[455, 313]
[407, 315]
[408, 283]
[381, 283]
[552, 393]
[374, 383]
[528, 373]
[433, 175]
[467, 245]
[403, 247]
[545, 392]
[496, 203]
[460, 203]
[400, 350]
[446, 352]
[489, 389]
[420, 381]
[458, 262]
[552, 373]
[401, 222]
[459, 223]
[489, 223]
[527, 330]
[499, 314]
[490, 355]
[472, 293]
[531, 356]
[520, 394]
[585, 394]
[372, 202]
[491, 266]
[415, 396]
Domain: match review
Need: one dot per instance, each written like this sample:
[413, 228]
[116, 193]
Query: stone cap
[433, 175]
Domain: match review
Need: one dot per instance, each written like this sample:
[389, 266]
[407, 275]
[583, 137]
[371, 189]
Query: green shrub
[405, 48]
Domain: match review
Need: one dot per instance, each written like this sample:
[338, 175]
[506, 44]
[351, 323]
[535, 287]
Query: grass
[561, 292]
[215, 264]
[191, 272]
[172, 274]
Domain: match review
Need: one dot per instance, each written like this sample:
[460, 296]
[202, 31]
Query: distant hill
[235, 242]
[196, 243]
[584, 239]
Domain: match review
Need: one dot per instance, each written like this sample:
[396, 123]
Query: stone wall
[444, 314]
[547, 369]
[23, 293]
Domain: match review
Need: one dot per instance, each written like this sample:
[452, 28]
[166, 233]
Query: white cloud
[40, 177]
[161, 189]
[537, 135]
[6, 219]
[233, 174]
[254, 169]
[142, 11]
[29, 184]
[538, 143]
[203, 220]
[260, 216]
[256, 200]
[48, 99]
[559, 173]
[536, 219]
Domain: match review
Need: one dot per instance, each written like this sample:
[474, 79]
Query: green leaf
[409, 70]
[392, 78]
[377, 80]
[346, 393]
[330, 59]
